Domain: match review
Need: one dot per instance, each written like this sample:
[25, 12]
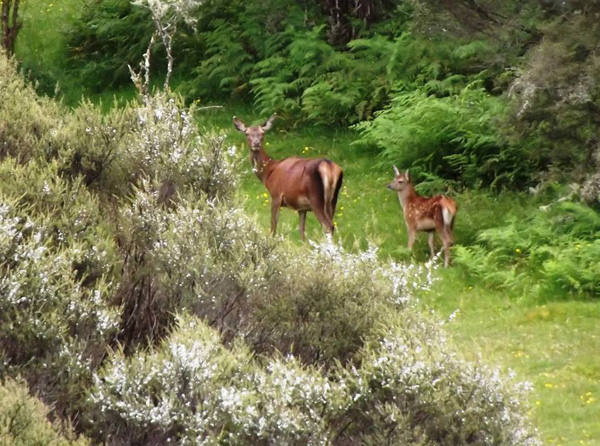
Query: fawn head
[401, 181]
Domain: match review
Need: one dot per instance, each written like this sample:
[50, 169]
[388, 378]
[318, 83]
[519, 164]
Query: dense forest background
[492, 94]
[143, 301]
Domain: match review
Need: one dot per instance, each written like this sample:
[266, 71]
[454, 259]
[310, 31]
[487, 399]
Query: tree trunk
[10, 24]
[342, 11]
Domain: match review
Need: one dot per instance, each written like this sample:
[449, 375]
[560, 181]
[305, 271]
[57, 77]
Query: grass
[553, 344]
[40, 46]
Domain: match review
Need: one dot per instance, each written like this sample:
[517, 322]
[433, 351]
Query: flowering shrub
[412, 389]
[169, 149]
[52, 328]
[23, 420]
[197, 255]
[25, 119]
[405, 390]
[293, 311]
[192, 390]
[93, 145]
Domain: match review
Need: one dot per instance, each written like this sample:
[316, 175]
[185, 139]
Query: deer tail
[338, 186]
[331, 176]
[449, 209]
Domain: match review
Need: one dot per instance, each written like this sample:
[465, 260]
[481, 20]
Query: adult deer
[300, 184]
[427, 214]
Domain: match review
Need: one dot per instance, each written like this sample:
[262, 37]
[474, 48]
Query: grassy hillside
[549, 339]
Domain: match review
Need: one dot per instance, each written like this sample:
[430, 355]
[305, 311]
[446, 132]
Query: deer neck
[406, 196]
[261, 163]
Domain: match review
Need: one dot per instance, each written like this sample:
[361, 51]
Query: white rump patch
[447, 216]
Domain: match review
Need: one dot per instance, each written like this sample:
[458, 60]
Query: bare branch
[166, 16]
[141, 79]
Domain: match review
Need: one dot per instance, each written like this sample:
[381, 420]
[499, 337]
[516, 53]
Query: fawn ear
[396, 171]
[267, 125]
[239, 124]
[406, 175]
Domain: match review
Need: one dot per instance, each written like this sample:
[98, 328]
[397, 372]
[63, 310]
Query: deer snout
[255, 143]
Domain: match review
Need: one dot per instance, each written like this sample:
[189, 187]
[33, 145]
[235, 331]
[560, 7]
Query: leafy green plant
[107, 37]
[551, 252]
[453, 136]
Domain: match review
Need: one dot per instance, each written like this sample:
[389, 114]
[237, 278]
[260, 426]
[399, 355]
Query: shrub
[53, 330]
[169, 149]
[405, 389]
[67, 213]
[26, 120]
[23, 420]
[555, 91]
[194, 391]
[189, 255]
[292, 310]
[551, 252]
[411, 389]
[93, 145]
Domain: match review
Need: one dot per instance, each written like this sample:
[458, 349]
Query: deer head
[401, 181]
[254, 134]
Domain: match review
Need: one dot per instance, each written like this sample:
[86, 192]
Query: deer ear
[406, 175]
[396, 171]
[267, 125]
[239, 124]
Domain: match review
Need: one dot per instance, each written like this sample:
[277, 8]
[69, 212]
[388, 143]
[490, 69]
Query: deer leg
[431, 241]
[275, 206]
[324, 220]
[412, 235]
[317, 205]
[447, 243]
[302, 215]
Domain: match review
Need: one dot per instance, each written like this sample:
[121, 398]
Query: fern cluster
[455, 136]
[551, 253]
[108, 36]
